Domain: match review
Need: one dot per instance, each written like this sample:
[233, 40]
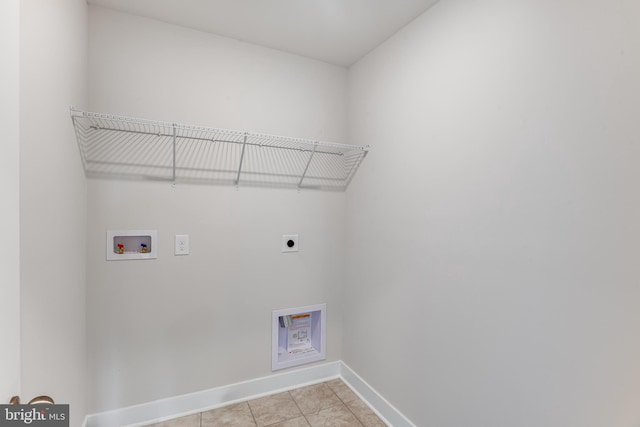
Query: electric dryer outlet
[290, 243]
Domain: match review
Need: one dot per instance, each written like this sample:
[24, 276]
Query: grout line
[349, 408]
[345, 404]
[298, 406]
[353, 400]
[342, 402]
[252, 414]
[354, 415]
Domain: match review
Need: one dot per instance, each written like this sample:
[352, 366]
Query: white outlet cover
[290, 243]
[182, 244]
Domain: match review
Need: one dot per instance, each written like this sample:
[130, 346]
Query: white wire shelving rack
[125, 147]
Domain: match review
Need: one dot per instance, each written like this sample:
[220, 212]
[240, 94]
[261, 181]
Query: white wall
[10, 194]
[493, 261]
[53, 58]
[174, 325]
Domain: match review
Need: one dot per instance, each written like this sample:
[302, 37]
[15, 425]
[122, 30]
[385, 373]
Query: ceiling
[335, 31]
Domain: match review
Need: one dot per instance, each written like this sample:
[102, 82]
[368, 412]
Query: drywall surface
[10, 193]
[493, 262]
[178, 324]
[53, 58]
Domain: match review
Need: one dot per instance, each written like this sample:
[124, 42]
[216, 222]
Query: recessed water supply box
[132, 244]
[298, 336]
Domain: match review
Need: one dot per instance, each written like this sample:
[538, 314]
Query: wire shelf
[126, 147]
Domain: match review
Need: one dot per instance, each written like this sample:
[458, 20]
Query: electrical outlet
[182, 244]
[290, 243]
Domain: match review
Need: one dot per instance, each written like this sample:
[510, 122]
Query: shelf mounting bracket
[306, 168]
[174, 156]
[244, 146]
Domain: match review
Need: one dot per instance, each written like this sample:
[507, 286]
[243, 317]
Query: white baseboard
[381, 406]
[187, 404]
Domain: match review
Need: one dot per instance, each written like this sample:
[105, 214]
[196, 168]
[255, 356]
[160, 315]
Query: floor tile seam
[255, 421]
[321, 408]
[354, 414]
[346, 403]
[349, 409]
[298, 406]
[329, 407]
[342, 400]
[286, 419]
[334, 406]
[300, 409]
[355, 396]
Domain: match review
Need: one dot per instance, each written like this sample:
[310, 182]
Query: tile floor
[328, 404]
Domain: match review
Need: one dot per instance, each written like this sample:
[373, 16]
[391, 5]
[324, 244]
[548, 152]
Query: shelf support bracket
[306, 168]
[76, 113]
[244, 146]
[174, 155]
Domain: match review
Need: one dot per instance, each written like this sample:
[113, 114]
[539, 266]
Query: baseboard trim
[187, 404]
[381, 406]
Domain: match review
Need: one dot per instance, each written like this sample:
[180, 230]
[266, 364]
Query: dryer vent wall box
[299, 336]
[132, 244]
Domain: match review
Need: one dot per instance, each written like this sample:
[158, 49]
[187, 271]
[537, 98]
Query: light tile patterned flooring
[328, 404]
